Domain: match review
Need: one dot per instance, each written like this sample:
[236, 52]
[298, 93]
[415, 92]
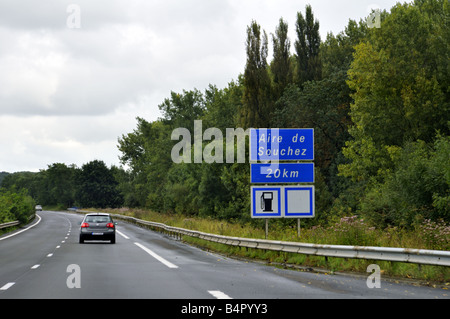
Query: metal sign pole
[298, 227]
[267, 227]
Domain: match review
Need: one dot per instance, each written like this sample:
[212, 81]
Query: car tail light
[84, 225]
[110, 225]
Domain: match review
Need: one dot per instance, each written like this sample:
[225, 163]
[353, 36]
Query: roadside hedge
[15, 206]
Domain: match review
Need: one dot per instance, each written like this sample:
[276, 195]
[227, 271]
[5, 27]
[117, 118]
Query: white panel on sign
[299, 201]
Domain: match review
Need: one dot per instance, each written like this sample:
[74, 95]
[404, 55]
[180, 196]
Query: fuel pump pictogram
[267, 201]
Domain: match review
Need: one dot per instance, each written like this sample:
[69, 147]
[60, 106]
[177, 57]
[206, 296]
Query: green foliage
[399, 78]
[418, 186]
[2, 176]
[376, 99]
[281, 66]
[400, 82]
[97, 187]
[58, 180]
[15, 206]
[309, 66]
[257, 102]
[63, 186]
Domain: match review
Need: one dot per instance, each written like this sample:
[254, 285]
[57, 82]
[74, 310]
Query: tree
[281, 64]
[182, 109]
[399, 78]
[400, 87]
[59, 179]
[97, 186]
[257, 104]
[2, 176]
[307, 47]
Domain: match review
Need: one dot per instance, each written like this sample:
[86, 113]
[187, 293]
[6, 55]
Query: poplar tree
[257, 85]
[281, 64]
[307, 47]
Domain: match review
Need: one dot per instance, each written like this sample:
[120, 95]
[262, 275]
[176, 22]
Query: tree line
[377, 98]
[62, 186]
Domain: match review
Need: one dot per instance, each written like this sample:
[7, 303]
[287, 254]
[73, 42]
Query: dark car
[98, 226]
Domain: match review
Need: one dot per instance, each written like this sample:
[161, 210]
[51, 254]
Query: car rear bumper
[98, 234]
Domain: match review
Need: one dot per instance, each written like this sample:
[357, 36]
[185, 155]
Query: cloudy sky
[75, 74]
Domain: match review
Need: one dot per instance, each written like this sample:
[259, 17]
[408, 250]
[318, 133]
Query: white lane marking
[35, 267]
[218, 294]
[7, 286]
[122, 234]
[49, 255]
[159, 258]
[3, 238]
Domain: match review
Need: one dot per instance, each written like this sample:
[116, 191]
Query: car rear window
[97, 219]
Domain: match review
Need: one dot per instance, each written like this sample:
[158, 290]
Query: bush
[418, 185]
[15, 206]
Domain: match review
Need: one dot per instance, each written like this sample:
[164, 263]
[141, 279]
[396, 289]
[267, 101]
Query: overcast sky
[73, 78]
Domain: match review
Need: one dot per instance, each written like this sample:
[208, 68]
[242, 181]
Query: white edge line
[122, 234]
[218, 294]
[159, 258]
[17, 233]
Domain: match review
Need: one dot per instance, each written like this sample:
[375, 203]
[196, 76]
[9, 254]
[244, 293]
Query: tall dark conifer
[307, 47]
[281, 64]
[257, 85]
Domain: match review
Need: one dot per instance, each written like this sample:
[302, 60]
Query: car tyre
[113, 239]
[81, 240]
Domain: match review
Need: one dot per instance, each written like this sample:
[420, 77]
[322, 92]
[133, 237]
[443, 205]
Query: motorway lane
[146, 264]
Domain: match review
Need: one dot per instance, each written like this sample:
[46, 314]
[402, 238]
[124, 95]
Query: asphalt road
[46, 261]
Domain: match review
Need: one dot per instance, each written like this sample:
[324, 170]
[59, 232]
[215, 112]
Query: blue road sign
[281, 144]
[282, 173]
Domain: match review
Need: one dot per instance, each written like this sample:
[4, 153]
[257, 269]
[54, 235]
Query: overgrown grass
[344, 231]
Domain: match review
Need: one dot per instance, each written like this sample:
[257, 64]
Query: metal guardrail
[14, 223]
[406, 255]
[10, 224]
